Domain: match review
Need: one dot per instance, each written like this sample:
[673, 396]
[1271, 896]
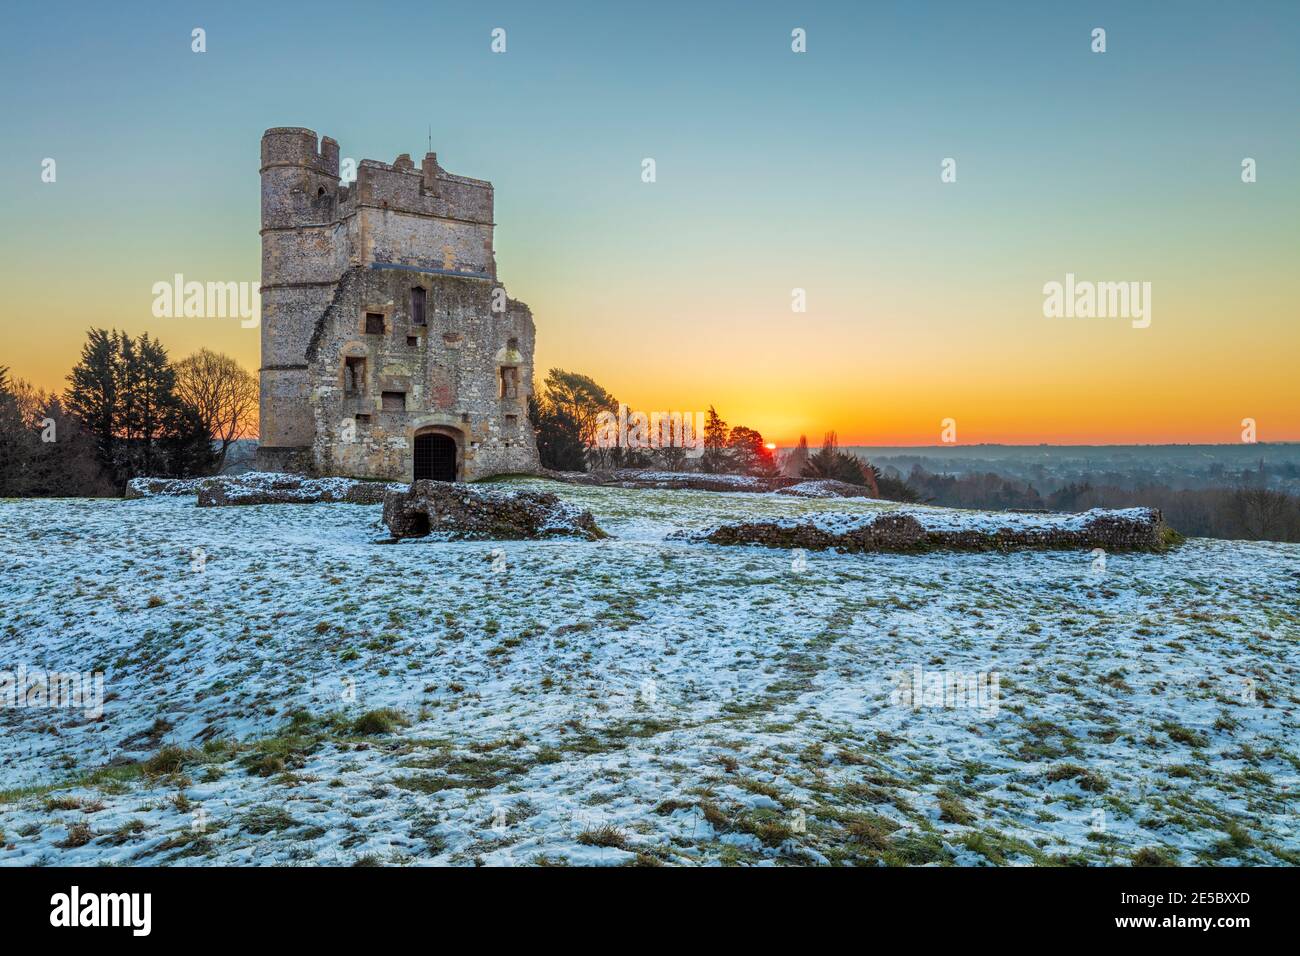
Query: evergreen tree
[829, 463]
[715, 459]
[123, 392]
[92, 393]
[559, 436]
[580, 400]
[15, 441]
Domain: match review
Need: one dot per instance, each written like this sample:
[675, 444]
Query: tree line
[566, 409]
[127, 411]
[1244, 511]
[565, 413]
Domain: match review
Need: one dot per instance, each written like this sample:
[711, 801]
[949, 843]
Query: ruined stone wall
[448, 372]
[331, 254]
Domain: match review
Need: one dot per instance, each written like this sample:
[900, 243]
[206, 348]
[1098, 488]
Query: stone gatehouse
[389, 348]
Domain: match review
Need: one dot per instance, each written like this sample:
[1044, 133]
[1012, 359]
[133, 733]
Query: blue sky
[774, 171]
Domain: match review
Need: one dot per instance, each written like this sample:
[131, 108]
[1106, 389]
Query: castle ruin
[389, 349]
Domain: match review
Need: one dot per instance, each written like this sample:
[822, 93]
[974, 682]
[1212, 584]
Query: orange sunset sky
[775, 171]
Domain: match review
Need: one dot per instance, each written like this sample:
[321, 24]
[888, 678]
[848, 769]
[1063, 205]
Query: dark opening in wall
[393, 401]
[374, 323]
[354, 375]
[363, 419]
[417, 306]
[413, 341]
[509, 381]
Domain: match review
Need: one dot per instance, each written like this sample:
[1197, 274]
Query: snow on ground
[637, 699]
[820, 488]
[954, 521]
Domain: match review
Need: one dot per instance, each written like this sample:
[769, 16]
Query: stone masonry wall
[448, 371]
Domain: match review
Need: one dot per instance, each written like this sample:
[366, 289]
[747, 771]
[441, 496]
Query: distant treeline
[1242, 512]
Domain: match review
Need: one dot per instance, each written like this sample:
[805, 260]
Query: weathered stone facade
[389, 349]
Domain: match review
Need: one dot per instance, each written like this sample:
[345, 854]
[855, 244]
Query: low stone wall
[1132, 529]
[673, 480]
[825, 488]
[459, 511]
[261, 488]
[162, 487]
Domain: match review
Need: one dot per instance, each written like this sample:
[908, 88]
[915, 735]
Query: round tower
[300, 186]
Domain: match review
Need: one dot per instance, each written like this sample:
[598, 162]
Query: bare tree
[1260, 512]
[793, 462]
[223, 392]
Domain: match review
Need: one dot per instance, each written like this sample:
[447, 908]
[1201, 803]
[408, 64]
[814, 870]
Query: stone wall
[902, 530]
[447, 370]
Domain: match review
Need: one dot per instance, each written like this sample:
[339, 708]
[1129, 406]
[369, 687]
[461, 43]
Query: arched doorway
[435, 457]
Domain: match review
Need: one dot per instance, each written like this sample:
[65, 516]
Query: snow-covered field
[636, 699]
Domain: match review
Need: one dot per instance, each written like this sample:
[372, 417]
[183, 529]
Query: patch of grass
[188, 841]
[918, 849]
[288, 750]
[870, 830]
[952, 810]
[1169, 538]
[714, 816]
[1183, 735]
[169, 759]
[667, 807]
[1154, 856]
[1088, 780]
[123, 833]
[376, 722]
[268, 820]
[78, 835]
[427, 783]
[605, 836]
[62, 803]
[764, 789]
[770, 829]
[979, 843]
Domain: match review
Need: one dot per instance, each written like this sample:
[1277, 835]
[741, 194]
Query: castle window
[393, 401]
[363, 419]
[512, 344]
[417, 306]
[413, 341]
[354, 375]
[374, 323]
[509, 381]
[512, 421]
